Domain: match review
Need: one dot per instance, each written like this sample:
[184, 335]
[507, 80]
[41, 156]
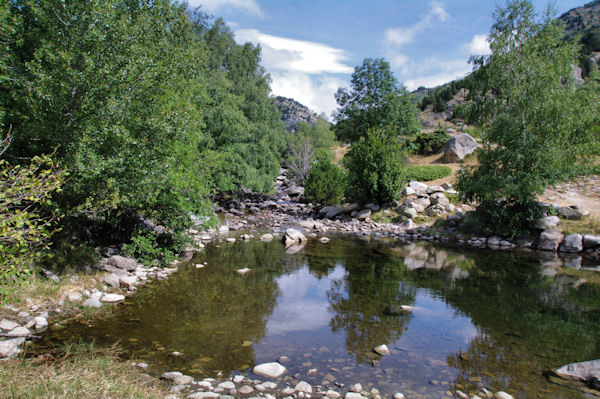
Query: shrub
[431, 143]
[375, 168]
[146, 247]
[326, 183]
[427, 172]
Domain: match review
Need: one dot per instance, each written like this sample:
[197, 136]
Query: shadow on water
[479, 318]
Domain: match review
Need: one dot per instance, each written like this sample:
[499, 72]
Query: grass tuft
[76, 371]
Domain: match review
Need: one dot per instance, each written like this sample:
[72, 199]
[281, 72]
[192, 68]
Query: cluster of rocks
[122, 273]
[286, 388]
[432, 200]
[15, 333]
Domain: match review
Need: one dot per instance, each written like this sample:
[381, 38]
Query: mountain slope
[292, 113]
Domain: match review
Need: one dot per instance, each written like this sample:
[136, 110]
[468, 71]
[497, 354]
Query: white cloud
[479, 45]
[296, 55]
[316, 92]
[299, 69]
[401, 36]
[436, 72]
[212, 6]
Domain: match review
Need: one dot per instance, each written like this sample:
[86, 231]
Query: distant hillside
[439, 104]
[292, 112]
[582, 19]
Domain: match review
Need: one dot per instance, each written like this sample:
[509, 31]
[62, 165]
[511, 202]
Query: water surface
[479, 318]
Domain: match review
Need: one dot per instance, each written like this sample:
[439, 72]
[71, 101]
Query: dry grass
[587, 225]
[339, 153]
[76, 371]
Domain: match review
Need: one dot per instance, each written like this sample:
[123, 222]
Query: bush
[427, 172]
[146, 247]
[375, 168]
[326, 183]
[431, 143]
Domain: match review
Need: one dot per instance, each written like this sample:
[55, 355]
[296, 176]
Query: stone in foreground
[269, 370]
[10, 347]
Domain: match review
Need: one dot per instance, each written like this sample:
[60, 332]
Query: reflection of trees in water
[208, 313]
[366, 302]
[527, 323]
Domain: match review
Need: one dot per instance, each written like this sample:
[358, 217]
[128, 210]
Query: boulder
[293, 236]
[571, 212]
[351, 208]
[10, 347]
[269, 370]
[269, 204]
[438, 198]
[303, 386]
[112, 279]
[112, 298]
[41, 324]
[572, 243]
[418, 187]
[294, 191]
[122, 263]
[310, 224]
[458, 147]
[590, 241]
[407, 224]
[410, 212]
[408, 191]
[547, 222]
[365, 214]
[18, 332]
[447, 186]
[550, 239]
[434, 189]
[382, 350]
[587, 372]
[128, 282]
[329, 212]
[373, 207]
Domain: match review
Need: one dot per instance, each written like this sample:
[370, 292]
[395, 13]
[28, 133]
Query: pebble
[226, 385]
[356, 388]
[245, 389]
[303, 386]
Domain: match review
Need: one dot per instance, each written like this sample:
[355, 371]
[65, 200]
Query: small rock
[183, 380]
[142, 365]
[238, 378]
[303, 386]
[434, 189]
[41, 324]
[203, 395]
[128, 281]
[382, 350]
[170, 375]
[399, 395]
[408, 191]
[356, 388]
[122, 263]
[293, 236]
[353, 395]
[332, 394]
[18, 332]
[269, 385]
[365, 214]
[7, 325]
[269, 370]
[10, 347]
[245, 389]
[569, 212]
[266, 237]
[324, 240]
[112, 298]
[92, 302]
[112, 279]
[226, 385]
[502, 395]
[242, 271]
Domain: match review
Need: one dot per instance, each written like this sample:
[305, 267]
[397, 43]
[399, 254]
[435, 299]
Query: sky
[310, 47]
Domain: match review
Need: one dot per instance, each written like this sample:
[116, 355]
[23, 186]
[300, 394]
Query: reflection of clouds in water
[303, 304]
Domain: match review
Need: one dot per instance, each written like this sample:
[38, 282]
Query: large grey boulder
[329, 212]
[590, 241]
[122, 263]
[365, 214]
[294, 191]
[293, 236]
[588, 372]
[458, 147]
[112, 279]
[572, 243]
[571, 212]
[550, 239]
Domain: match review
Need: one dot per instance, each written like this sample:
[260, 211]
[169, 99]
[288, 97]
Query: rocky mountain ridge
[292, 113]
[583, 18]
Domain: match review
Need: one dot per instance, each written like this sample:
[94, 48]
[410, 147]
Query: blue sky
[310, 47]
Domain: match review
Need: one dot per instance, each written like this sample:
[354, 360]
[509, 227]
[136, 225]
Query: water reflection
[478, 319]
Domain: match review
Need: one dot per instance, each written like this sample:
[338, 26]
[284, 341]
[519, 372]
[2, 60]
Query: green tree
[326, 183]
[537, 122]
[375, 166]
[375, 100]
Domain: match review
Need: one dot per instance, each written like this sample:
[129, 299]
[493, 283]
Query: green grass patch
[427, 172]
[587, 225]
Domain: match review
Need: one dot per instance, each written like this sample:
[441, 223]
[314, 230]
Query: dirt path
[583, 192]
